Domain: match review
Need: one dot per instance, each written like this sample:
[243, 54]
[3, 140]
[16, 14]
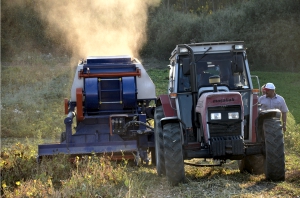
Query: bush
[292, 135]
[23, 30]
[270, 30]
[168, 28]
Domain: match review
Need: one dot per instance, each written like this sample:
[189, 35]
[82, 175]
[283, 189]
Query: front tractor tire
[159, 144]
[274, 150]
[174, 162]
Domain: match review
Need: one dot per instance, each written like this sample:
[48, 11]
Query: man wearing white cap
[271, 100]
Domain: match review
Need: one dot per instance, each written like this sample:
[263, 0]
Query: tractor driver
[271, 100]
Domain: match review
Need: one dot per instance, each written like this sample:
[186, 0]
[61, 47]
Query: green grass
[32, 98]
[160, 79]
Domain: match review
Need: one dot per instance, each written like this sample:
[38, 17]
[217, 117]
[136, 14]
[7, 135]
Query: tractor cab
[193, 70]
[211, 111]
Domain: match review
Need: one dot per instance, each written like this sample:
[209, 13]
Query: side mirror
[186, 66]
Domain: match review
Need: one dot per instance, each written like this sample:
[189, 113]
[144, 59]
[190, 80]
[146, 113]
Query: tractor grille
[224, 126]
[225, 129]
[230, 145]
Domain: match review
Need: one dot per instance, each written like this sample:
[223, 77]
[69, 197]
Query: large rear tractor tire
[159, 144]
[274, 150]
[173, 153]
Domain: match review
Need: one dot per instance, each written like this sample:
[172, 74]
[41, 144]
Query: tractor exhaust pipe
[215, 88]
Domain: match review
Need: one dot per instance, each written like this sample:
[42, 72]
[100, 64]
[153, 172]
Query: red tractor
[211, 111]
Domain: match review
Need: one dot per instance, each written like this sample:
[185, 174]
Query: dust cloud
[98, 27]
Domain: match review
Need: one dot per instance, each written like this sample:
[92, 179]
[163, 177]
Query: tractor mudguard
[270, 113]
[167, 120]
[264, 114]
[168, 105]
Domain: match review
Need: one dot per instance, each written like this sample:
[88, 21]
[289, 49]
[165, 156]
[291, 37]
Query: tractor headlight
[233, 115]
[182, 50]
[215, 116]
[238, 47]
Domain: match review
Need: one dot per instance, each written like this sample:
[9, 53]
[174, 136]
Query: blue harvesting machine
[110, 101]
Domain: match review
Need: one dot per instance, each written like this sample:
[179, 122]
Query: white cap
[270, 86]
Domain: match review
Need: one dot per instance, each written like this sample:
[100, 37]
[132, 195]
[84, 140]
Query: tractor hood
[213, 99]
[225, 102]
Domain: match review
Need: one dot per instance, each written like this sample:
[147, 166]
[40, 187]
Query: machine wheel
[63, 137]
[274, 150]
[173, 153]
[159, 146]
[253, 164]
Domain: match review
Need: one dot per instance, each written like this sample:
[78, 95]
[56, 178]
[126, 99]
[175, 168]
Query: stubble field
[32, 113]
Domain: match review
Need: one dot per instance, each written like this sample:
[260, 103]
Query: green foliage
[198, 6]
[269, 28]
[161, 28]
[17, 163]
[60, 175]
[22, 29]
[166, 29]
[160, 79]
[292, 134]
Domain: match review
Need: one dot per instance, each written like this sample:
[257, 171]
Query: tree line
[270, 29]
[198, 6]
